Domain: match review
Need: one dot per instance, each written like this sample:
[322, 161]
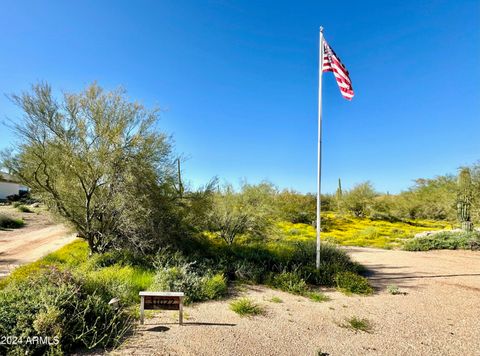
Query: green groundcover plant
[445, 240]
[7, 222]
[351, 283]
[66, 294]
[246, 307]
[59, 306]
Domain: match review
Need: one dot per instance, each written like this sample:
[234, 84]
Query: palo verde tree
[249, 211]
[358, 200]
[96, 159]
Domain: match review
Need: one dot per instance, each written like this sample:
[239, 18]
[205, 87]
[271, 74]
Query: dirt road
[438, 313]
[39, 237]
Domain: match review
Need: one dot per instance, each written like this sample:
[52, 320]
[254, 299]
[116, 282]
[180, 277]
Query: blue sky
[238, 81]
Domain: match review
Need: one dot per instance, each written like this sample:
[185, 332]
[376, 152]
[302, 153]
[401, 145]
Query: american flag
[331, 63]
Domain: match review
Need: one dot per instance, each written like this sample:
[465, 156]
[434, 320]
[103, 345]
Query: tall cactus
[464, 199]
[338, 195]
[339, 191]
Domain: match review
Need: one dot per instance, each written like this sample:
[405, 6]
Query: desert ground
[40, 236]
[437, 313]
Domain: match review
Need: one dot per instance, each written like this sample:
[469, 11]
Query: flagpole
[319, 166]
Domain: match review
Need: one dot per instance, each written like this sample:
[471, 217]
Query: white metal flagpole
[319, 171]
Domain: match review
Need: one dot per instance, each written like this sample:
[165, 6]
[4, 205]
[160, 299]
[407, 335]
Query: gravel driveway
[438, 313]
[40, 236]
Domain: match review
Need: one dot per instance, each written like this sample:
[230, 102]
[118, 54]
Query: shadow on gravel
[191, 323]
[206, 324]
[381, 276]
[158, 329]
[430, 276]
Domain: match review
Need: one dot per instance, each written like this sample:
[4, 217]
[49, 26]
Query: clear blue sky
[238, 80]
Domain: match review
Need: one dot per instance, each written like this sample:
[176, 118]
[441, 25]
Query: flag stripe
[331, 63]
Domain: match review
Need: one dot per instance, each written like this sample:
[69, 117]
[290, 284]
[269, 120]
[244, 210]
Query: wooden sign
[162, 301]
[155, 302]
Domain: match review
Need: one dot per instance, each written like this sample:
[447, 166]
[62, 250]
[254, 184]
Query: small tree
[233, 214]
[358, 200]
[95, 158]
[296, 207]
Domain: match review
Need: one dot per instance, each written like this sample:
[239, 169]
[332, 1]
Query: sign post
[161, 301]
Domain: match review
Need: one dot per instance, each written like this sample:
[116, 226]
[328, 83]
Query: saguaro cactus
[464, 199]
[338, 196]
[339, 191]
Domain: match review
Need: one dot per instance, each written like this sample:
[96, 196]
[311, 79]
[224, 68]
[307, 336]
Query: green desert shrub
[168, 257]
[318, 297]
[257, 262]
[289, 282]
[446, 240]
[7, 222]
[296, 207]
[178, 273]
[333, 260]
[180, 279]
[358, 324]
[122, 257]
[185, 279]
[24, 209]
[123, 282]
[276, 299]
[56, 304]
[248, 271]
[246, 307]
[393, 289]
[359, 200]
[214, 287]
[351, 283]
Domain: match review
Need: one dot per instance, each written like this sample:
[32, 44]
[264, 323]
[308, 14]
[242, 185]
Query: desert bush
[248, 271]
[358, 324]
[214, 287]
[196, 286]
[296, 207]
[168, 257]
[123, 257]
[358, 200]
[289, 282]
[7, 222]
[55, 303]
[393, 289]
[448, 240]
[180, 279]
[255, 262]
[246, 307]
[123, 282]
[375, 215]
[430, 199]
[351, 283]
[332, 261]
[237, 213]
[318, 297]
[24, 209]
